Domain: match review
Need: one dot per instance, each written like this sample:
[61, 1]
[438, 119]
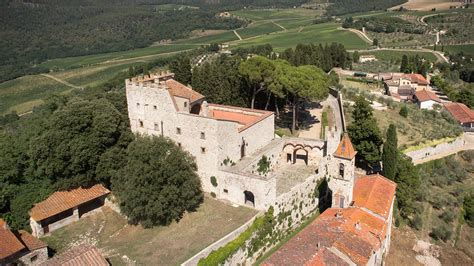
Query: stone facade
[34, 257]
[227, 142]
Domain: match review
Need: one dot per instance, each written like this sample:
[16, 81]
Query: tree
[390, 153]
[375, 42]
[355, 56]
[364, 132]
[404, 68]
[181, 67]
[158, 182]
[404, 111]
[468, 206]
[69, 149]
[408, 184]
[259, 72]
[301, 83]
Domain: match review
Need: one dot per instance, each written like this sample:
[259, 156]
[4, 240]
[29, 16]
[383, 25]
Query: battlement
[159, 77]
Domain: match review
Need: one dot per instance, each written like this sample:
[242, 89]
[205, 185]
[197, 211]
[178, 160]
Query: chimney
[357, 226]
[205, 109]
[339, 214]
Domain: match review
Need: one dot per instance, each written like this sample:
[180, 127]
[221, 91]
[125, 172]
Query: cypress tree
[390, 153]
[404, 65]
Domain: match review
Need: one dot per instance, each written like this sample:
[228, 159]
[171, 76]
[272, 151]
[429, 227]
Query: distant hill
[341, 7]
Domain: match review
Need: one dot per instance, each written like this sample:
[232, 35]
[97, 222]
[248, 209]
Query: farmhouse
[19, 247]
[426, 99]
[65, 207]
[356, 235]
[83, 254]
[403, 86]
[367, 58]
[462, 114]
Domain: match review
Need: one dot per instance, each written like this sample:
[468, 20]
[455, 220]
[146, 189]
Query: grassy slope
[160, 245]
[259, 29]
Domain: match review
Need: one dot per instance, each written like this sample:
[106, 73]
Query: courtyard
[125, 244]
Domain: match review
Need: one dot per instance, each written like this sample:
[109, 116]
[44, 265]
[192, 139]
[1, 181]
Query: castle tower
[341, 174]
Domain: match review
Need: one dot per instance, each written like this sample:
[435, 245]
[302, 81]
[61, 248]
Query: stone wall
[35, 257]
[424, 154]
[219, 243]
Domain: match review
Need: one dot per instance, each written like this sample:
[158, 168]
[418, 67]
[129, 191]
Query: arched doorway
[195, 109]
[249, 198]
[300, 154]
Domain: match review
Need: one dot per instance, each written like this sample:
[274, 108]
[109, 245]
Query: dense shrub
[441, 232]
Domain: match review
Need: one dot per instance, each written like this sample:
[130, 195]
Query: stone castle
[241, 160]
[230, 142]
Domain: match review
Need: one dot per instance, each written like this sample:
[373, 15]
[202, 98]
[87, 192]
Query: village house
[426, 99]
[402, 87]
[65, 207]
[462, 114]
[19, 247]
[367, 58]
[83, 254]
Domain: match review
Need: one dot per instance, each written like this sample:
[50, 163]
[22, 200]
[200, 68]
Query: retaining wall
[425, 154]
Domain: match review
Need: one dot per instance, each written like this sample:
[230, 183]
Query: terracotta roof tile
[64, 200]
[31, 242]
[374, 193]
[424, 95]
[9, 243]
[83, 254]
[179, 90]
[244, 116]
[345, 149]
[460, 112]
[416, 78]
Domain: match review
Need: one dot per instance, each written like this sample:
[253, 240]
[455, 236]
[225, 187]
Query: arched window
[341, 170]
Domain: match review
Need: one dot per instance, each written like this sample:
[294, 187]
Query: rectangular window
[185, 104]
[178, 130]
[203, 136]
[154, 107]
[226, 191]
[141, 123]
[179, 144]
[156, 126]
[203, 150]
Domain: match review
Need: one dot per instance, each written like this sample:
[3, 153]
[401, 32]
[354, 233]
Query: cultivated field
[426, 5]
[127, 244]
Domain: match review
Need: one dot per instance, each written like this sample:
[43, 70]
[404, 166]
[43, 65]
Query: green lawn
[318, 33]
[161, 245]
[259, 29]
[397, 55]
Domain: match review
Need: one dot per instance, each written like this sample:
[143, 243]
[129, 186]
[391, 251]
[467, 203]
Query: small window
[185, 104]
[226, 191]
[154, 107]
[178, 130]
[156, 126]
[203, 136]
[141, 123]
[35, 257]
[203, 150]
[138, 104]
[179, 144]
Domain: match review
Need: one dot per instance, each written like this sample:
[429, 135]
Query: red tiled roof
[244, 116]
[425, 95]
[460, 112]
[416, 78]
[64, 200]
[83, 254]
[374, 193]
[179, 90]
[9, 243]
[356, 231]
[345, 148]
[31, 242]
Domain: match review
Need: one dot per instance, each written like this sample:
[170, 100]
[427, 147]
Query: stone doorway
[249, 198]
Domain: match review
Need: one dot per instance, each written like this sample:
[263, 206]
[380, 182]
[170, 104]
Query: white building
[426, 99]
[367, 58]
